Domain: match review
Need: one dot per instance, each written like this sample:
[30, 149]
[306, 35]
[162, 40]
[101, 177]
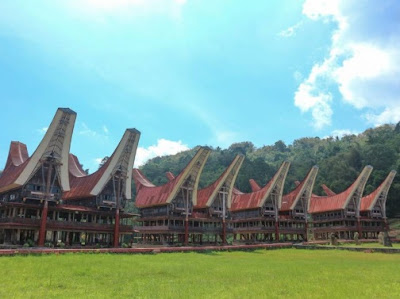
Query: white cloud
[225, 137]
[315, 9]
[85, 130]
[389, 115]
[43, 130]
[363, 63]
[101, 135]
[98, 160]
[162, 148]
[290, 31]
[309, 97]
[341, 133]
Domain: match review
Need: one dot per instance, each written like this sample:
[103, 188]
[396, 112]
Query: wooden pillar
[359, 228]
[18, 236]
[43, 222]
[386, 225]
[277, 230]
[223, 232]
[116, 220]
[306, 231]
[116, 229]
[186, 231]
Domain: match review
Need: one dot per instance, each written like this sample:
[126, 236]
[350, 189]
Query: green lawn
[366, 245]
[259, 274]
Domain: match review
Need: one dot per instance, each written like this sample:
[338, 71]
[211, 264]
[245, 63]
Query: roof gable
[305, 187]
[254, 200]
[206, 196]
[148, 195]
[321, 204]
[121, 160]
[369, 201]
[55, 145]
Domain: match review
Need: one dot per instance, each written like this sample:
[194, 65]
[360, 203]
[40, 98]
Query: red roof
[320, 204]
[253, 200]
[254, 186]
[74, 167]
[19, 165]
[17, 155]
[170, 175]
[203, 195]
[327, 191]
[82, 184]
[86, 186]
[367, 202]
[147, 194]
[289, 199]
[16, 162]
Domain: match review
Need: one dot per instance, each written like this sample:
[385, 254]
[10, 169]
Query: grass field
[366, 245]
[258, 274]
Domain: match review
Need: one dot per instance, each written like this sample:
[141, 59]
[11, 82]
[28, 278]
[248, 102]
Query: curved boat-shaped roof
[170, 176]
[83, 185]
[55, 145]
[254, 186]
[148, 195]
[16, 162]
[369, 201]
[206, 196]
[256, 199]
[327, 191]
[305, 187]
[17, 155]
[321, 204]
[74, 167]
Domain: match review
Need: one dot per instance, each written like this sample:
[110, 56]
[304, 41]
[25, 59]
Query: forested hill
[340, 160]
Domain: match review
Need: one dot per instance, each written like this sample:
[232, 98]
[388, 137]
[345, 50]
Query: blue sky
[192, 72]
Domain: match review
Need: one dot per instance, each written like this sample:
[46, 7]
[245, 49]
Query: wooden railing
[18, 220]
[254, 229]
[291, 230]
[86, 226]
[166, 228]
[334, 228]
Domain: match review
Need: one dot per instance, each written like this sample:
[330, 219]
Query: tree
[103, 161]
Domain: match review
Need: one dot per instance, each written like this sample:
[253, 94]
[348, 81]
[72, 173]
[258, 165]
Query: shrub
[124, 245]
[26, 245]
